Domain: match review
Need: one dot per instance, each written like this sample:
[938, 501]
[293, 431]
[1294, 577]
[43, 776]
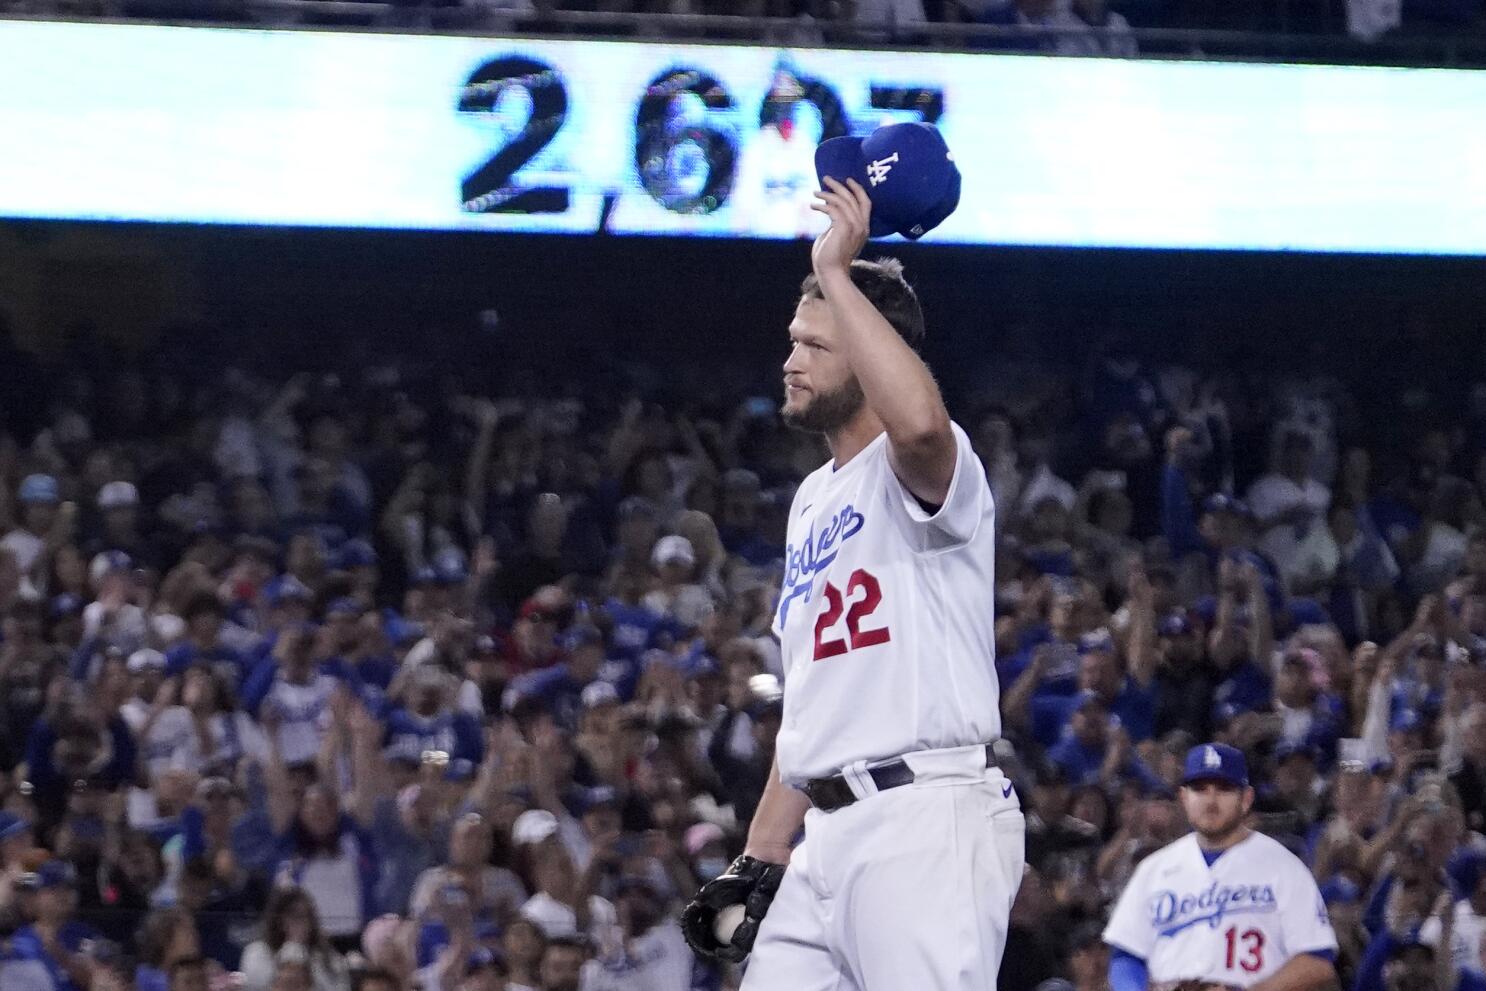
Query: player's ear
[1248, 799]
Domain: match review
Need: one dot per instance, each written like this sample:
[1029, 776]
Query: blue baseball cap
[107, 563]
[1221, 502]
[287, 588]
[1405, 720]
[1307, 612]
[1086, 698]
[582, 635]
[1216, 762]
[1340, 888]
[1287, 749]
[39, 488]
[486, 958]
[65, 604]
[593, 798]
[52, 874]
[12, 825]
[344, 606]
[449, 566]
[907, 170]
[1465, 870]
[356, 553]
[1174, 625]
[1097, 642]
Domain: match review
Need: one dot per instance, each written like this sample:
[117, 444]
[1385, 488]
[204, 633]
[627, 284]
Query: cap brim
[841, 159]
[1197, 779]
[941, 211]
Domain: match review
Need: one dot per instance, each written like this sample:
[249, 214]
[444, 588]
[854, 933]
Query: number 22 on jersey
[864, 595]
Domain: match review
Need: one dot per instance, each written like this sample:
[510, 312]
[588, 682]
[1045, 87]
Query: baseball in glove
[749, 884]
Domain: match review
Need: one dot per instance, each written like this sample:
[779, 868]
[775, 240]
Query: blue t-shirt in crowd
[1082, 764]
[368, 678]
[1246, 689]
[635, 628]
[26, 945]
[455, 733]
[1135, 706]
[559, 691]
[225, 662]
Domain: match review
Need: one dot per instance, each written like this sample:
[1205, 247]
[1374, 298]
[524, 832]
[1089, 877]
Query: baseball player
[913, 838]
[1224, 906]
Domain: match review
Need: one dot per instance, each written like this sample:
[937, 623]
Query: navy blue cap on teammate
[907, 171]
[1216, 762]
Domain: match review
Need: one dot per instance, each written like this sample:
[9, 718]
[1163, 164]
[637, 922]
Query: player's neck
[1227, 841]
[851, 439]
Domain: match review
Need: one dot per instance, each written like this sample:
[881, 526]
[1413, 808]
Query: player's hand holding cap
[907, 171]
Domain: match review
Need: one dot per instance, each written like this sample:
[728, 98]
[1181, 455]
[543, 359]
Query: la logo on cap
[878, 169]
[1211, 759]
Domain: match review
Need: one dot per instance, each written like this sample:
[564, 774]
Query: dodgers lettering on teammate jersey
[1173, 911]
[1235, 921]
[886, 617]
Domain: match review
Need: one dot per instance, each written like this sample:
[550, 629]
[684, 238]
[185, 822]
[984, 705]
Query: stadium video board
[350, 129]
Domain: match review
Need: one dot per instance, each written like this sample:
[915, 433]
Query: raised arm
[1261, 624]
[487, 417]
[1141, 646]
[895, 381]
[276, 776]
[1016, 707]
[369, 777]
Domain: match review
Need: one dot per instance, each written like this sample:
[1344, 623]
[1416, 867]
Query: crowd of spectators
[1060, 27]
[366, 679]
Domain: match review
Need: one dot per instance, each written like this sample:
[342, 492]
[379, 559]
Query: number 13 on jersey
[863, 596]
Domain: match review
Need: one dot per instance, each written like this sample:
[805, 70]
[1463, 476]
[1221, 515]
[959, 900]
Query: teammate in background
[913, 848]
[1224, 906]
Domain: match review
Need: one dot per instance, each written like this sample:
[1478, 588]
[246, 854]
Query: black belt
[830, 794]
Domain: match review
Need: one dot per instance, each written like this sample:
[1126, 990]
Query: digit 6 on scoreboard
[686, 148]
[860, 581]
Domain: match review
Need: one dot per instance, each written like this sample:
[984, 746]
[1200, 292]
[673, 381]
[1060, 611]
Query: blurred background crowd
[1445, 29]
[368, 678]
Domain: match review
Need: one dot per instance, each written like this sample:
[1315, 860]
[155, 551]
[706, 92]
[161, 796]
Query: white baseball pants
[904, 890]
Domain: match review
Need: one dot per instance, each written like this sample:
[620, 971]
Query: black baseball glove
[748, 882]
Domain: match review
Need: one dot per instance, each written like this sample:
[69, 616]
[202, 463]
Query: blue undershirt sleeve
[1126, 971]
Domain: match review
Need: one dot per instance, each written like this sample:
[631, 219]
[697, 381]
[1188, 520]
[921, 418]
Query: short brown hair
[883, 284]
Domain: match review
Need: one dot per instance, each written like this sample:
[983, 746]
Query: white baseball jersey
[886, 618]
[1235, 922]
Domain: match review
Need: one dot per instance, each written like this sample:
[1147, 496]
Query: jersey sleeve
[1129, 926]
[1307, 924]
[966, 506]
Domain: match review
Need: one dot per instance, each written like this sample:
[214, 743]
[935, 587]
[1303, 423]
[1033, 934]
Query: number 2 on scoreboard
[871, 597]
[494, 187]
